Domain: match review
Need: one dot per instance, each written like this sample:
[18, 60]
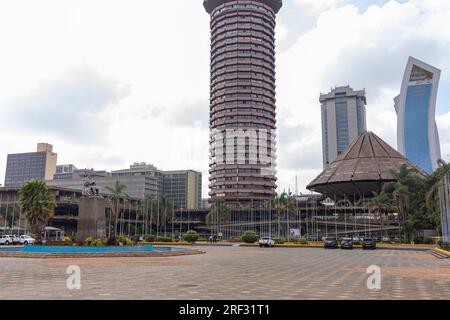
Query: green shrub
[417, 239]
[303, 241]
[98, 243]
[444, 245]
[190, 236]
[357, 243]
[427, 241]
[164, 239]
[279, 240]
[150, 238]
[249, 237]
[112, 241]
[88, 241]
[67, 239]
[125, 240]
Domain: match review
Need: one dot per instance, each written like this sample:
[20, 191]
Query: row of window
[267, 72]
[237, 49]
[259, 89]
[242, 102]
[233, 83]
[238, 35]
[223, 114]
[242, 96]
[239, 14]
[218, 78]
[237, 179]
[234, 60]
[243, 187]
[244, 41]
[239, 7]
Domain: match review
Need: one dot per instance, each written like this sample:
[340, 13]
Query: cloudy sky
[111, 82]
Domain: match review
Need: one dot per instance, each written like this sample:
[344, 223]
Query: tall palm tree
[434, 185]
[284, 204]
[380, 204]
[116, 196]
[400, 189]
[38, 203]
[218, 213]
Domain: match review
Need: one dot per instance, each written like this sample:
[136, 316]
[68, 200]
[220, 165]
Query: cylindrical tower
[242, 100]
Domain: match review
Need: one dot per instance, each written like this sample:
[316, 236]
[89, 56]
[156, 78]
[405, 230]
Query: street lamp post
[328, 203]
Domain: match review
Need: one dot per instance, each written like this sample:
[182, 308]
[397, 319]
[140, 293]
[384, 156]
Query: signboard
[295, 233]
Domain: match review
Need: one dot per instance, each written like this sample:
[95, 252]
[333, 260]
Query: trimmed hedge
[249, 237]
[190, 236]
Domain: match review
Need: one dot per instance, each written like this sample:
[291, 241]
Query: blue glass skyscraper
[417, 133]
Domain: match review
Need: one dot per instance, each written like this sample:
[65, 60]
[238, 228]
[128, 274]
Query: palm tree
[218, 213]
[117, 195]
[37, 202]
[434, 186]
[284, 203]
[400, 189]
[380, 204]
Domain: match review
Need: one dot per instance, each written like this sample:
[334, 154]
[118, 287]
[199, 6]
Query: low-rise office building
[23, 167]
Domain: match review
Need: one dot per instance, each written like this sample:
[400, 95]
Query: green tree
[284, 204]
[116, 198]
[218, 213]
[37, 203]
[190, 236]
[434, 185]
[380, 204]
[249, 237]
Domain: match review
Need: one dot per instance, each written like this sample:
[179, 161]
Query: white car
[266, 242]
[6, 239]
[26, 240]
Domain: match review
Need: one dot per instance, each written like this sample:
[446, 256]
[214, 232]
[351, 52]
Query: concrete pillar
[91, 218]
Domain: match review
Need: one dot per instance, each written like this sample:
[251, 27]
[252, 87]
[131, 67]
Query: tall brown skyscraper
[242, 101]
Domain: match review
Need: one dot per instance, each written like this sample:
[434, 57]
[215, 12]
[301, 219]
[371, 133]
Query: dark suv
[330, 243]
[347, 243]
[369, 243]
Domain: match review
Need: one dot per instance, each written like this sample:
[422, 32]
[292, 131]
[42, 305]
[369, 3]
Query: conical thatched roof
[362, 168]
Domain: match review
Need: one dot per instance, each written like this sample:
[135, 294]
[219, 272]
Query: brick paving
[233, 273]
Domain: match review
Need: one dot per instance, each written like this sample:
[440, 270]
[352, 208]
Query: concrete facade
[343, 113]
[91, 218]
[142, 180]
[242, 100]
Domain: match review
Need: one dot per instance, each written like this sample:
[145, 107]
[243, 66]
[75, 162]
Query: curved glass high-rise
[417, 133]
[242, 100]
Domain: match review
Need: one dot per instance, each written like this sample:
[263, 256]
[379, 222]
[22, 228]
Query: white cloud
[318, 6]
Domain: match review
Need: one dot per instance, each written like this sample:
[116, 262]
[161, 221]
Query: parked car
[26, 240]
[346, 243]
[266, 242]
[369, 243]
[330, 243]
[386, 239]
[6, 239]
[397, 240]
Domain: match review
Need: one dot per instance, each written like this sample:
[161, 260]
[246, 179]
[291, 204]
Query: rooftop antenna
[296, 184]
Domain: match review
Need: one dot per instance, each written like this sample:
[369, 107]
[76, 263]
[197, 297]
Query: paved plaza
[233, 273]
